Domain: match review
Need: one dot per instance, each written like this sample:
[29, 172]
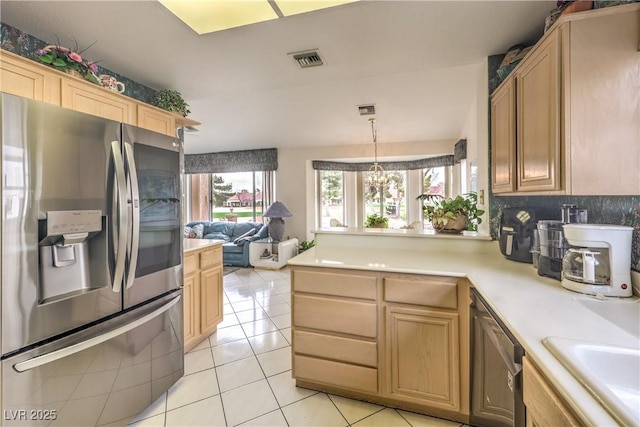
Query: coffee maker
[598, 260]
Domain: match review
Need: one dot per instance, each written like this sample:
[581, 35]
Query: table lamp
[276, 212]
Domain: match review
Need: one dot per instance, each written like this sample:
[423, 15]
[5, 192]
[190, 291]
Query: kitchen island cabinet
[392, 338]
[532, 307]
[577, 112]
[202, 291]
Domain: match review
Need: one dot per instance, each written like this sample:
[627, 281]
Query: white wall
[295, 178]
[476, 131]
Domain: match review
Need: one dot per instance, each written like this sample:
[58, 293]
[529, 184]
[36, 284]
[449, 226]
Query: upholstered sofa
[237, 237]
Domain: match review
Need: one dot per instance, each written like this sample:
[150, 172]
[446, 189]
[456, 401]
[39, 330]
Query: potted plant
[452, 215]
[304, 245]
[171, 100]
[69, 61]
[376, 221]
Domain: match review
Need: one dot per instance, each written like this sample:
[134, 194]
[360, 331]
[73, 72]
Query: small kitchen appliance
[553, 246]
[517, 226]
[598, 259]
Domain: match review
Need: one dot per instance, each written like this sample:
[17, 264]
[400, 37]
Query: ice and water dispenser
[72, 251]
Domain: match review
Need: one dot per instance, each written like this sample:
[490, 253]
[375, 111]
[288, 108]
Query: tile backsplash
[619, 210]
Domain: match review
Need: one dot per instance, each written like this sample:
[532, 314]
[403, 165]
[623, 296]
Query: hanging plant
[171, 100]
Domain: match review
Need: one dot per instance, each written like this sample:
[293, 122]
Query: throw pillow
[247, 234]
[194, 232]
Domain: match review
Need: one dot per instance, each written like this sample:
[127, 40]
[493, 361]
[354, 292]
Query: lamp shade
[277, 210]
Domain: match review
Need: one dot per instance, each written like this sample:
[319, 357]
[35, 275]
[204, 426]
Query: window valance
[460, 151]
[232, 161]
[429, 162]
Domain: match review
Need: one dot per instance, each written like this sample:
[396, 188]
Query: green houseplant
[452, 215]
[376, 221]
[171, 100]
[304, 245]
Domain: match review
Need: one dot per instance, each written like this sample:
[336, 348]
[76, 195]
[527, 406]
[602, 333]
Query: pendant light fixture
[377, 176]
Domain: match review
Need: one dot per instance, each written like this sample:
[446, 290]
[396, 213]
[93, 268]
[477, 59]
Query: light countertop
[531, 306]
[189, 245]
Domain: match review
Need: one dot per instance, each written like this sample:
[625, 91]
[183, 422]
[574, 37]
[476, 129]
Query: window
[331, 198]
[237, 196]
[389, 200]
[433, 182]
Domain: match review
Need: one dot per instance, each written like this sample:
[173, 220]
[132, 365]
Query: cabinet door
[191, 311]
[544, 406]
[91, 99]
[503, 138]
[538, 118]
[423, 357]
[210, 299]
[156, 120]
[21, 77]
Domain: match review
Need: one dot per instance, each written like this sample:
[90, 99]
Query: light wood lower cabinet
[202, 294]
[398, 339]
[423, 356]
[544, 406]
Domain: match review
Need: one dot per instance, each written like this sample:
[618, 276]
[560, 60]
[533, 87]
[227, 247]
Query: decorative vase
[448, 225]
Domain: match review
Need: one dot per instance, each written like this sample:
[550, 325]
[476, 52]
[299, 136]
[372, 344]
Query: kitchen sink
[623, 313]
[610, 373]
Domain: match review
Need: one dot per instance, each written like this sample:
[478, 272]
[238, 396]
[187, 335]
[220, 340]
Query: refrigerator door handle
[122, 215]
[43, 359]
[134, 237]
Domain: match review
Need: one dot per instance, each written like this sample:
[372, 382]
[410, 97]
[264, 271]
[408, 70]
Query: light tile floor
[241, 375]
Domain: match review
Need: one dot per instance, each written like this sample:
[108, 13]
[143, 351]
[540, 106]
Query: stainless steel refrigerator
[91, 264]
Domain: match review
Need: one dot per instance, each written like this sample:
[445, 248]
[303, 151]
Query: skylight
[207, 16]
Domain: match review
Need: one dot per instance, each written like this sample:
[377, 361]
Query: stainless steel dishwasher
[496, 370]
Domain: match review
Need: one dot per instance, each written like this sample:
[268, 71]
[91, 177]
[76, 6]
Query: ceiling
[417, 61]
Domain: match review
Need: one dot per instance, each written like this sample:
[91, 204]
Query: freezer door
[106, 374]
[55, 164]
[153, 163]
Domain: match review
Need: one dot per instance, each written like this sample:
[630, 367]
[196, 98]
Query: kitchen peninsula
[393, 278]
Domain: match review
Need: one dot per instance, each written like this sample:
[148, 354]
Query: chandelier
[377, 176]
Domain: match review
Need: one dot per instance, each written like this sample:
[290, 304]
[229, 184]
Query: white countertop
[531, 306]
[189, 245]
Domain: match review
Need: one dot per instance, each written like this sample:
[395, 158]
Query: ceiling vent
[307, 59]
[367, 110]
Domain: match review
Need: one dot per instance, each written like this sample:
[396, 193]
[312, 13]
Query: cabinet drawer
[334, 315]
[190, 263]
[338, 284]
[336, 348]
[336, 374]
[418, 290]
[211, 258]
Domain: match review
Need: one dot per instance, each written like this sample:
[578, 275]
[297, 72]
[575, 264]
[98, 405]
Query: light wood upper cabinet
[22, 77]
[577, 110]
[91, 99]
[538, 120]
[503, 131]
[156, 120]
[29, 79]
